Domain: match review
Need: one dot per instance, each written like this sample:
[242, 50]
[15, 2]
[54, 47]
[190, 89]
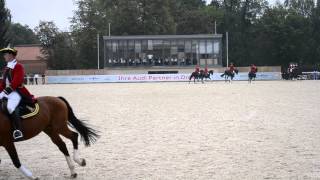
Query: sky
[31, 12]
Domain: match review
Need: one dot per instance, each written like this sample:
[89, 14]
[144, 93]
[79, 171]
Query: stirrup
[17, 134]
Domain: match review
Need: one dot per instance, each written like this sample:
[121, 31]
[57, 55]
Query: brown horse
[53, 118]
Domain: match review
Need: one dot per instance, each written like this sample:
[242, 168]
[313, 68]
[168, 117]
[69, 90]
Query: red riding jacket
[206, 70]
[231, 68]
[16, 78]
[253, 69]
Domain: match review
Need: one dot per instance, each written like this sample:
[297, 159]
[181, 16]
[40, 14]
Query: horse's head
[236, 71]
[211, 72]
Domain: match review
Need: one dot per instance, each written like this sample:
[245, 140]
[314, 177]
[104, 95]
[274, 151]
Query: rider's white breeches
[13, 101]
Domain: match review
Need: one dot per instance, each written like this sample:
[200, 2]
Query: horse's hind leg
[56, 139]
[73, 136]
[11, 149]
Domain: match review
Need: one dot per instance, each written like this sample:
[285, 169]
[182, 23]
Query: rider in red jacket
[206, 70]
[231, 67]
[13, 89]
[197, 69]
[253, 68]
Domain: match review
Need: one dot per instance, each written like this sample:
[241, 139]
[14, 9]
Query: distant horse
[295, 73]
[197, 75]
[53, 118]
[252, 75]
[285, 75]
[207, 76]
[227, 73]
[292, 74]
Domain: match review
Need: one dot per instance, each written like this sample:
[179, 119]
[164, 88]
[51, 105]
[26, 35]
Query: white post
[215, 27]
[98, 50]
[227, 48]
[109, 29]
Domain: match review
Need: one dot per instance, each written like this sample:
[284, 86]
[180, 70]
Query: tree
[156, 17]
[258, 33]
[64, 56]
[20, 34]
[46, 32]
[57, 47]
[191, 16]
[5, 20]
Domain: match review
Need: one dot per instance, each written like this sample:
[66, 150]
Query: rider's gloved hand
[2, 95]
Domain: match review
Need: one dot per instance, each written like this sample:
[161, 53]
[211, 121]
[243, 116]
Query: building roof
[192, 36]
[29, 52]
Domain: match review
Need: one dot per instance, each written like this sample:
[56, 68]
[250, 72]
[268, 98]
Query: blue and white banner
[149, 78]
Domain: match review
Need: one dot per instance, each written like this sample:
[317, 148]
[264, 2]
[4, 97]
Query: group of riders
[292, 72]
[228, 73]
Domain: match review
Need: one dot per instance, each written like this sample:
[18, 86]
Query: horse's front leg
[11, 149]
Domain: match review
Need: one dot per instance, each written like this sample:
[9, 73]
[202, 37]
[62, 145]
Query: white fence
[149, 78]
[315, 75]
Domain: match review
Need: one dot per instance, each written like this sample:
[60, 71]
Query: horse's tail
[88, 135]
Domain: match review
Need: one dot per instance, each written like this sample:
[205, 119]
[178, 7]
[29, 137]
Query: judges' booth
[163, 50]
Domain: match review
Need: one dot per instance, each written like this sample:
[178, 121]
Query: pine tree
[5, 20]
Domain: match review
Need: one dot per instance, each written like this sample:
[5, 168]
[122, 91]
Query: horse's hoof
[74, 175]
[36, 178]
[83, 162]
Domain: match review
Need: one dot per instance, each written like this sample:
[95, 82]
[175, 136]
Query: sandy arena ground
[266, 130]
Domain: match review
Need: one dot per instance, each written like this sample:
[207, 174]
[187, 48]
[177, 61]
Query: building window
[114, 46]
[174, 48]
[167, 51]
[188, 46]
[195, 52]
[216, 47]
[150, 45]
[209, 47]
[131, 54]
[202, 47]
[137, 46]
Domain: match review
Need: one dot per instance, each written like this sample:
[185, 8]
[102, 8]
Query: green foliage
[20, 34]
[5, 20]
[57, 47]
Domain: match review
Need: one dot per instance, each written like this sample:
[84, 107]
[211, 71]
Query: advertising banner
[149, 78]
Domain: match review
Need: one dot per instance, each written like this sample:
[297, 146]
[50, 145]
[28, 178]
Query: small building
[31, 58]
[153, 51]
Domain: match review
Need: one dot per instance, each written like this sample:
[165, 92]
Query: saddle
[26, 110]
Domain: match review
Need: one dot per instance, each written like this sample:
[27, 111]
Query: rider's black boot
[16, 122]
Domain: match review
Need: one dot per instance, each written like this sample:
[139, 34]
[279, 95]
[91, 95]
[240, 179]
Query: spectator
[144, 61]
[30, 78]
[150, 56]
[36, 77]
[43, 78]
[182, 62]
